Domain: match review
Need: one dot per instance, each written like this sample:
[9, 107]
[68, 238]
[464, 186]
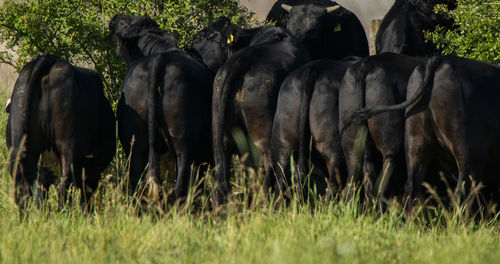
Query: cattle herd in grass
[393, 119]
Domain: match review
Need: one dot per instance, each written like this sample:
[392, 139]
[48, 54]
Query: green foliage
[77, 30]
[477, 35]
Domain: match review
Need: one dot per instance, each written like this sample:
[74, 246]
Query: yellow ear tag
[337, 28]
[230, 39]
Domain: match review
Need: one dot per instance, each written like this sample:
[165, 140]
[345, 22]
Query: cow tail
[360, 91]
[21, 98]
[304, 131]
[361, 84]
[219, 104]
[221, 99]
[423, 94]
[153, 172]
[362, 131]
[421, 97]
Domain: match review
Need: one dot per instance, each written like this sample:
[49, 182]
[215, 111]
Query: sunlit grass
[250, 229]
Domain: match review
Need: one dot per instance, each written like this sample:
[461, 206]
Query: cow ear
[332, 8]
[232, 35]
[230, 39]
[287, 8]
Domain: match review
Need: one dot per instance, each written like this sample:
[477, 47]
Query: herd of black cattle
[400, 112]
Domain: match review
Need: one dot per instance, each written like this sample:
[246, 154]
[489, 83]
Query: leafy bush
[477, 32]
[77, 30]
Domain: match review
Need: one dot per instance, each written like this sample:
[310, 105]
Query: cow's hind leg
[369, 172]
[281, 169]
[418, 157]
[133, 135]
[184, 175]
[282, 143]
[270, 182]
[46, 177]
[284, 140]
[138, 162]
[333, 164]
[259, 124]
[385, 176]
[87, 184]
[333, 159]
[354, 149]
[470, 159]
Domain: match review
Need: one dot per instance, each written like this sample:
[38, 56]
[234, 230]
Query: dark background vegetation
[77, 30]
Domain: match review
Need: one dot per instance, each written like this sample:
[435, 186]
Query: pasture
[260, 232]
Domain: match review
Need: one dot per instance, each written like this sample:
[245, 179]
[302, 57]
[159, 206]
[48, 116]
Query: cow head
[209, 42]
[128, 27]
[138, 36]
[216, 42]
[127, 31]
[308, 22]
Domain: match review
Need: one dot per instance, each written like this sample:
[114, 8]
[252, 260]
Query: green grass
[257, 233]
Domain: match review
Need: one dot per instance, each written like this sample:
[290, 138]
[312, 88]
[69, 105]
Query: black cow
[454, 112]
[246, 88]
[308, 106]
[402, 29]
[59, 108]
[164, 105]
[377, 80]
[327, 29]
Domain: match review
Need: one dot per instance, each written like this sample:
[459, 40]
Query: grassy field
[338, 233]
